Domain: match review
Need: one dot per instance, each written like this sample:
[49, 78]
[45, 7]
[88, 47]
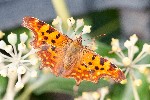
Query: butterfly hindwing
[92, 67]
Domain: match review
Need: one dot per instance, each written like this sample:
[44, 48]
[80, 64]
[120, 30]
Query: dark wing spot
[50, 30]
[42, 33]
[90, 63]
[54, 57]
[93, 57]
[43, 42]
[92, 71]
[84, 65]
[102, 69]
[40, 24]
[53, 41]
[45, 38]
[57, 36]
[112, 65]
[53, 48]
[96, 67]
[79, 68]
[101, 61]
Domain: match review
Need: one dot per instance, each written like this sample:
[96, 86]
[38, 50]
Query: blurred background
[133, 16]
[116, 18]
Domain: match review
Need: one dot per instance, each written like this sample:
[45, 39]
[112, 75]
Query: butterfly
[68, 58]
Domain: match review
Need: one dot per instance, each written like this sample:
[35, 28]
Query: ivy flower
[15, 63]
[1, 34]
[129, 60]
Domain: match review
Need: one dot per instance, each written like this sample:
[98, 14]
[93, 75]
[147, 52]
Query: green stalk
[61, 10]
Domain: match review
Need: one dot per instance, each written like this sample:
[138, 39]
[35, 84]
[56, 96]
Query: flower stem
[31, 87]
[135, 93]
[60, 6]
[138, 57]
[9, 95]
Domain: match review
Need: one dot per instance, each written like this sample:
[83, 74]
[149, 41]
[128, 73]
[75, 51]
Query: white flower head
[133, 39]
[2, 44]
[128, 44]
[115, 45]
[1, 34]
[3, 72]
[115, 42]
[95, 95]
[126, 61]
[57, 21]
[21, 46]
[19, 85]
[79, 23]
[16, 64]
[104, 90]
[23, 37]
[12, 38]
[70, 21]
[146, 48]
[130, 61]
[21, 70]
[86, 29]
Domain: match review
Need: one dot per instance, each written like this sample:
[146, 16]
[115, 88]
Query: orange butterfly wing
[53, 47]
[50, 42]
[92, 67]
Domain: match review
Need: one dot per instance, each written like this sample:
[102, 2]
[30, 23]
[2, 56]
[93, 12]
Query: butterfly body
[67, 57]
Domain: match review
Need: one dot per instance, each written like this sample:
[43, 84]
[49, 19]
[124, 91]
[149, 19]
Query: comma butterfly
[69, 58]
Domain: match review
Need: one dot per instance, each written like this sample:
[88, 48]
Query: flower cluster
[130, 61]
[14, 62]
[57, 23]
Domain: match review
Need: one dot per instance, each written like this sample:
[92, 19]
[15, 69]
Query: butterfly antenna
[101, 35]
[93, 38]
[86, 39]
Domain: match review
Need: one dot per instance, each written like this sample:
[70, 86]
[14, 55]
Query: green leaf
[3, 85]
[63, 85]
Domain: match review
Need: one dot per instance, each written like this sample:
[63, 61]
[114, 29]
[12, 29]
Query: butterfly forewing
[44, 33]
[50, 42]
